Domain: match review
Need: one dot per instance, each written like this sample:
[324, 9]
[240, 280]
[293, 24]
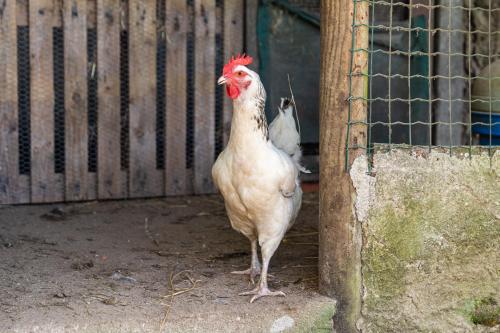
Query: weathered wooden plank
[92, 14]
[144, 179]
[13, 187]
[108, 71]
[233, 45]
[176, 28]
[46, 185]
[204, 89]
[251, 41]
[75, 90]
[124, 14]
[57, 13]
[22, 12]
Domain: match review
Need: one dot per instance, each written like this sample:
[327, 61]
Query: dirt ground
[158, 265]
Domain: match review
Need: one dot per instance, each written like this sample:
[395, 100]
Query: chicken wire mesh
[161, 60]
[433, 76]
[92, 98]
[124, 100]
[23, 93]
[59, 98]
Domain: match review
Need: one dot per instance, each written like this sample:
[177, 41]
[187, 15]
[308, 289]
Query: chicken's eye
[240, 73]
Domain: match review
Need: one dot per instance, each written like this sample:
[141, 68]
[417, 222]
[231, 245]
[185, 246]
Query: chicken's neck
[249, 124]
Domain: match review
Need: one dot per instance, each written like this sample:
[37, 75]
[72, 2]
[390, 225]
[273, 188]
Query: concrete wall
[431, 242]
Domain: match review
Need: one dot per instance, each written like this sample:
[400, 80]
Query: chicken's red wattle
[232, 91]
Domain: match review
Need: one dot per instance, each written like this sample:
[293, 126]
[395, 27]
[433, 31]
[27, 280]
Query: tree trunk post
[339, 230]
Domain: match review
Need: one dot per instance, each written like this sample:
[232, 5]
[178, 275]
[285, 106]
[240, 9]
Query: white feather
[284, 135]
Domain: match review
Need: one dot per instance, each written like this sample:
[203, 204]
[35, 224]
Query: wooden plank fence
[112, 99]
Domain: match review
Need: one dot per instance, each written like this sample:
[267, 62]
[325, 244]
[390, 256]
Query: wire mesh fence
[112, 98]
[432, 74]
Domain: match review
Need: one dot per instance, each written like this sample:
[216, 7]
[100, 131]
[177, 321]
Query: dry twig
[176, 292]
[148, 233]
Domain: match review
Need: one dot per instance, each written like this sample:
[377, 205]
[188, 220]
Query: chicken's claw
[261, 292]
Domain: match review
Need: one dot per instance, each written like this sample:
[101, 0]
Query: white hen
[259, 182]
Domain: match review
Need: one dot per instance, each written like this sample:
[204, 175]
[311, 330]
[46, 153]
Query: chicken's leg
[254, 269]
[268, 248]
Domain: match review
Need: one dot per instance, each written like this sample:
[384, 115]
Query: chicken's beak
[222, 80]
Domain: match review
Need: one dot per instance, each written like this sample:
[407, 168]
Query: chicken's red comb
[239, 60]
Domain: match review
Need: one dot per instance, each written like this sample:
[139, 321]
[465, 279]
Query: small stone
[221, 301]
[281, 324]
[109, 301]
[60, 295]
[78, 266]
[122, 278]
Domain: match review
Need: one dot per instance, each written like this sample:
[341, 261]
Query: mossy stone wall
[431, 242]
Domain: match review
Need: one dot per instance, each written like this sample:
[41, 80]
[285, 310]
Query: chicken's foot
[261, 292]
[254, 269]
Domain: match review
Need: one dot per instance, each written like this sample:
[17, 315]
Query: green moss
[399, 240]
[475, 229]
[406, 231]
[485, 311]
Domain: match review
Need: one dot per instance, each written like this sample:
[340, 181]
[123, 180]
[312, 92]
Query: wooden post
[339, 231]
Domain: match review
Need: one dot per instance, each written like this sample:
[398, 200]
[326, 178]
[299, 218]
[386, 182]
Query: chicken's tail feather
[293, 101]
[297, 157]
[284, 133]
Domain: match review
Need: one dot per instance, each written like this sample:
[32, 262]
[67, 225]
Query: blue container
[484, 130]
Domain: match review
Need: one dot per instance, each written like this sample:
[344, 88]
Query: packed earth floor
[160, 265]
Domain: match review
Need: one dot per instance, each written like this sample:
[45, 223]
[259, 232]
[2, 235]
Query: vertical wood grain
[339, 230]
[109, 174]
[22, 12]
[75, 90]
[204, 113]
[13, 186]
[144, 179]
[176, 28]
[251, 42]
[46, 185]
[233, 45]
